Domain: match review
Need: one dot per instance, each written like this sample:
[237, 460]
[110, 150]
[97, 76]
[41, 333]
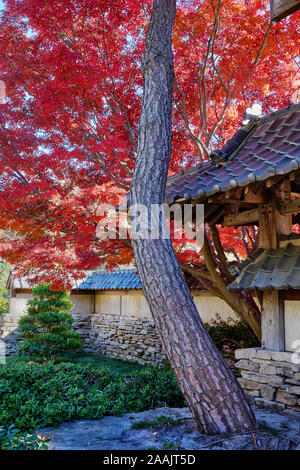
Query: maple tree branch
[230, 249]
[245, 233]
[128, 127]
[198, 142]
[100, 160]
[210, 43]
[263, 43]
[203, 278]
[220, 252]
[220, 119]
[237, 302]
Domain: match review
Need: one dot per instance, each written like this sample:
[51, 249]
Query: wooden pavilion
[255, 180]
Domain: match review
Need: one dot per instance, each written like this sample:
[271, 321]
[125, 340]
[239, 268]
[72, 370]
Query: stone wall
[122, 337]
[270, 379]
[8, 337]
[121, 327]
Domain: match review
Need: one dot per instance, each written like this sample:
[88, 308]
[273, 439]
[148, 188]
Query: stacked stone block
[270, 378]
[123, 337]
[8, 336]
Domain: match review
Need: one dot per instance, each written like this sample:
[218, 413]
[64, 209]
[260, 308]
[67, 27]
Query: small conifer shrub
[46, 329]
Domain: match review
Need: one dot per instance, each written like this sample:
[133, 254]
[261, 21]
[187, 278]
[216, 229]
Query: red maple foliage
[68, 138]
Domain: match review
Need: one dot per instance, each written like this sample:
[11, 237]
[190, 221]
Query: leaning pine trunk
[211, 390]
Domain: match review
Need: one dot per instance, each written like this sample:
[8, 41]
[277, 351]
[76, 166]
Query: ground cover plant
[14, 439]
[116, 366]
[79, 385]
[47, 394]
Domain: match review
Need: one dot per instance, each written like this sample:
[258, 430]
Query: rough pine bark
[211, 390]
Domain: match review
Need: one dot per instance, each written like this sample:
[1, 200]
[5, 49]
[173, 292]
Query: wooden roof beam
[292, 207]
[242, 218]
[282, 8]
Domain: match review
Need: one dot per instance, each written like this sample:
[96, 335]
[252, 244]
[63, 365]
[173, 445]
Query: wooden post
[267, 227]
[282, 195]
[272, 322]
[272, 225]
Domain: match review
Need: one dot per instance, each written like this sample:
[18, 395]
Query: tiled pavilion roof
[270, 269]
[102, 279]
[118, 279]
[265, 147]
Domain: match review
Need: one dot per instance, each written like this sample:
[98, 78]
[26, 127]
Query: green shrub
[4, 293]
[233, 332]
[14, 439]
[46, 328]
[47, 394]
[3, 302]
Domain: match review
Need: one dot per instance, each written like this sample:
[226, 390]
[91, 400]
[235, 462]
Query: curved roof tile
[265, 147]
[270, 269]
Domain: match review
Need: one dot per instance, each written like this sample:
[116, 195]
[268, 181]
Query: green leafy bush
[46, 328]
[47, 394]
[4, 293]
[3, 302]
[14, 439]
[233, 332]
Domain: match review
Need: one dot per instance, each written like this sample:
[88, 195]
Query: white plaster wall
[209, 306]
[145, 308]
[17, 305]
[134, 304]
[108, 303]
[83, 303]
[130, 303]
[127, 303]
[291, 323]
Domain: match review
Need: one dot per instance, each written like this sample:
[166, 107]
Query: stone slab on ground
[275, 431]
